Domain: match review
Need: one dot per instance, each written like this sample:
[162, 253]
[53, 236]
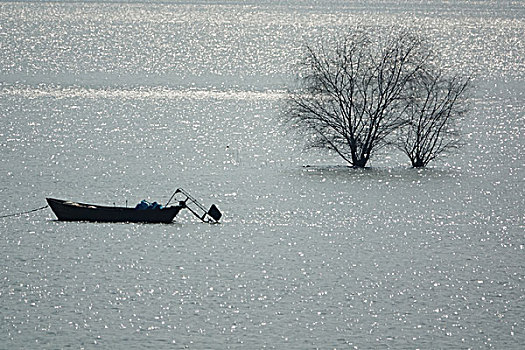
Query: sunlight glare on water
[115, 102]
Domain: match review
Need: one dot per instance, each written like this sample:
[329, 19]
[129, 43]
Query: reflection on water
[140, 93]
[116, 102]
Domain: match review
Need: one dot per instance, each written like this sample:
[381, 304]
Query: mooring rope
[25, 212]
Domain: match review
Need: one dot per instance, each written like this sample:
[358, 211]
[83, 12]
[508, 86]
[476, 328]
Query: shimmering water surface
[111, 101]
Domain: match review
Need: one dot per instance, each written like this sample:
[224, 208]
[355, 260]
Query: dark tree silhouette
[353, 95]
[435, 103]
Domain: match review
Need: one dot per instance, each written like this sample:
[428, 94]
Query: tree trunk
[418, 163]
[360, 163]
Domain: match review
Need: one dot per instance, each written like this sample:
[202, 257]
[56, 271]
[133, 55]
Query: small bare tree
[352, 96]
[435, 103]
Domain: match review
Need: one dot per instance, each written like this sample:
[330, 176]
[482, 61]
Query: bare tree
[436, 102]
[353, 95]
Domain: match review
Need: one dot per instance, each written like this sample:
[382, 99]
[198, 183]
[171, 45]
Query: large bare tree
[353, 93]
[435, 103]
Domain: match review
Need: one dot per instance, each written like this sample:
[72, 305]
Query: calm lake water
[108, 102]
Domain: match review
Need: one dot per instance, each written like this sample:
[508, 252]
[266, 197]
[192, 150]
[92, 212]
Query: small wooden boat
[73, 211]
[150, 213]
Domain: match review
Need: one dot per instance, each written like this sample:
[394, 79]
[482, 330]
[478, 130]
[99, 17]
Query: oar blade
[214, 213]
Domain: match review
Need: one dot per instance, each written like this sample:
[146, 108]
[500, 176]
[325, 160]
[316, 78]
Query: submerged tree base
[359, 163]
[418, 164]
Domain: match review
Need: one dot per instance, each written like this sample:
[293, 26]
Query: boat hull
[72, 211]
